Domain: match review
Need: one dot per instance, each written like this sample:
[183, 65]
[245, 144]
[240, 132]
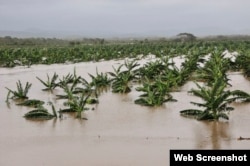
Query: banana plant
[215, 101]
[41, 113]
[100, 80]
[87, 88]
[120, 83]
[151, 69]
[20, 93]
[70, 78]
[155, 93]
[174, 76]
[50, 84]
[130, 65]
[69, 90]
[31, 103]
[216, 67]
[188, 67]
[121, 79]
[244, 63]
[77, 105]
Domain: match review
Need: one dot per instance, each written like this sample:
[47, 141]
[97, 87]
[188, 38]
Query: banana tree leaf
[191, 112]
[224, 116]
[144, 102]
[31, 103]
[39, 114]
[67, 110]
[92, 101]
[62, 97]
[206, 116]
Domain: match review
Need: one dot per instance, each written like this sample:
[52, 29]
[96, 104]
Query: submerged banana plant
[77, 105]
[100, 80]
[50, 84]
[216, 67]
[20, 93]
[215, 101]
[69, 94]
[41, 113]
[31, 103]
[121, 79]
[155, 93]
[244, 63]
[70, 78]
[151, 69]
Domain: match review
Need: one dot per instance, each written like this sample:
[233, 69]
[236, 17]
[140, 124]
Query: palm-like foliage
[70, 78]
[50, 84]
[187, 68]
[120, 82]
[130, 65]
[174, 77]
[77, 105]
[121, 79]
[68, 90]
[100, 80]
[87, 88]
[215, 68]
[215, 101]
[69, 85]
[152, 69]
[155, 93]
[21, 92]
[244, 62]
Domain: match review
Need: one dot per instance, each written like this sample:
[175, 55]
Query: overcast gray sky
[116, 18]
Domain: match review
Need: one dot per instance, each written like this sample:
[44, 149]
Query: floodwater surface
[117, 132]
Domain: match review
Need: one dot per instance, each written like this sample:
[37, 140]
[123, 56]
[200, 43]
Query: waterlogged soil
[117, 132]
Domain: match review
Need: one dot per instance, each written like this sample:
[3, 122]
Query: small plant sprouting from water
[50, 84]
[70, 78]
[76, 104]
[100, 80]
[68, 90]
[20, 93]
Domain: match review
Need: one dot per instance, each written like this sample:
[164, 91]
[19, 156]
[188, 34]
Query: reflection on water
[212, 135]
[117, 130]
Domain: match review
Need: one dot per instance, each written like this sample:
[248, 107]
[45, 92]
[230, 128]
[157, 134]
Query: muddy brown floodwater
[117, 132]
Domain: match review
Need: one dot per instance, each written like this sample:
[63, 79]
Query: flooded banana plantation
[127, 110]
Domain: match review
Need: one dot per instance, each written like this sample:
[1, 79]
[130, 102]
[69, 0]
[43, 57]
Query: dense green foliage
[155, 93]
[215, 97]
[82, 52]
[122, 78]
[215, 101]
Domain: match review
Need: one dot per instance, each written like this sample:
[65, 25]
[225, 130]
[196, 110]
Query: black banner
[209, 157]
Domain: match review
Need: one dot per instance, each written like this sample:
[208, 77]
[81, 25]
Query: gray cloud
[147, 17]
